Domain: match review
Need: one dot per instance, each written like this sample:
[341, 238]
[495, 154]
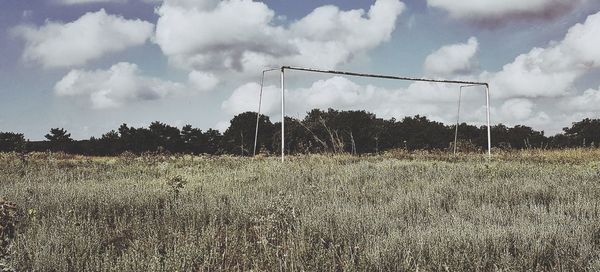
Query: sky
[91, 65]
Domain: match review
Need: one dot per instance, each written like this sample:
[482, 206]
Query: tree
[584, 133]
[108, 144]
[11, 142]
[559, 141]
[166, 137]
[58, 135]
[297, 137]
[213, 141]
[322, 137]
[239, 137]
[525, 137]
[359, 130]
[194, 140]
[418, 132]
[59, 139]
[469, 137]
[137, 140]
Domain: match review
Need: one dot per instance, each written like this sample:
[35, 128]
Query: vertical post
[262, 81]
[457, 119]
[282, 114]
[489, 131]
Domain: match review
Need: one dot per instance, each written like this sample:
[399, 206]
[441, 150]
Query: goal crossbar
[354, 74]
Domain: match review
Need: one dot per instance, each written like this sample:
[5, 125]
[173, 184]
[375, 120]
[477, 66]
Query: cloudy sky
[91, 65]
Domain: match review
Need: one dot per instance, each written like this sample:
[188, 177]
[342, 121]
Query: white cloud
[498, 12]
[119, 85]
[588, 101]
[245, 98]
[529, 76]
[242, 36]
[517, 109]
[453, 59]
[550, 71]
[539, 121]
[222, 126]
[546, 74]
[202, 81]
[93, 35]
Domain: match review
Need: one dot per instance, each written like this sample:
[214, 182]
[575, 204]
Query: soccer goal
[462, 84]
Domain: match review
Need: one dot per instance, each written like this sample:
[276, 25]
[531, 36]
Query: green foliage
[586, 132]
[522, 211]
[58, 135]
[12, 142]
[239, 137]
[356, 132]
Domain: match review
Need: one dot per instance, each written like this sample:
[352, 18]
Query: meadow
[530, 210]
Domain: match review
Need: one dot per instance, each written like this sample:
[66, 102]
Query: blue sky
[91, 65]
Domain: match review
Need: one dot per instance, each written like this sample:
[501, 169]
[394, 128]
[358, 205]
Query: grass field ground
[530, 210]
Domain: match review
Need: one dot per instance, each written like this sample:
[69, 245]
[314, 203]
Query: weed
[532, 210]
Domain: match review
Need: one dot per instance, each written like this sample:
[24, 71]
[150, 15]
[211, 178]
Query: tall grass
[533, 211]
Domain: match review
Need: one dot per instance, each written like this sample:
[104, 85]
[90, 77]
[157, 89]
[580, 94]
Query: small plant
[176, 184]
[32, 213]
[8, 220]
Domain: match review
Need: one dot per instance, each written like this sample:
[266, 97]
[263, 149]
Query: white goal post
[464, 84]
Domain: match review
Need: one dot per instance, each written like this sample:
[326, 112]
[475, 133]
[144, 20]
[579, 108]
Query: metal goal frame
[282, 69]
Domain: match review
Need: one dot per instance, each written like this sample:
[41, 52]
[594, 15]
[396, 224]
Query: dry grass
[531, 210]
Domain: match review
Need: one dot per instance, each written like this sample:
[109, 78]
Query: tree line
[331, 131]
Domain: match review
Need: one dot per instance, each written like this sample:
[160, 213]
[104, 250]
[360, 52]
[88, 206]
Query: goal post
[460, 90]
[464, 84]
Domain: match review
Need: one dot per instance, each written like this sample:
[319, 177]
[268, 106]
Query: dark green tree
[214, 141]
[10, 141]
[58, 135]
[584, 133]
[418, 132]
[297, 137]
[166, 137]
[523, 137]
[59, 140]
[195, 142]
[109, 144]
[239, 137]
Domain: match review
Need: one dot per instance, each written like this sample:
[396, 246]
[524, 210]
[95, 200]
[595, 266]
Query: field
[529, 210]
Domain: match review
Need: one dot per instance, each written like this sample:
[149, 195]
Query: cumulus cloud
[517, 109]
[119, 85]
[202, 81]
[494, 12]
[245, 98]
[550, 71]
[238, 36]
[455, 59]
[588, 101]
[526, 91]
[57, 44]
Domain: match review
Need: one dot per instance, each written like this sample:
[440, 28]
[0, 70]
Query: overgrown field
[533, 210]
